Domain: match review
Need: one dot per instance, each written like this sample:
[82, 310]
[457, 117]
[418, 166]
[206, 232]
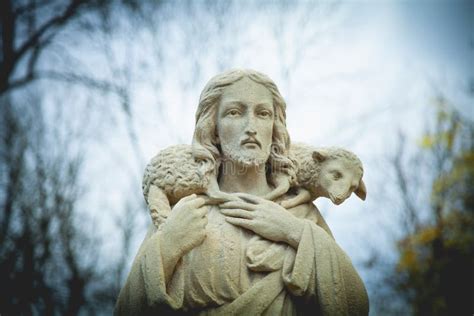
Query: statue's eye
[336, 175]
[265, 114]
[233, 112]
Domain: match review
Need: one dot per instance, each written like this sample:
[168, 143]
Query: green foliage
[435, 268]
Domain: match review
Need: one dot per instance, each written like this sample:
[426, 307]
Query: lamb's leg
[282, 186]
[159, 205]
[216, 196]
[303, 196]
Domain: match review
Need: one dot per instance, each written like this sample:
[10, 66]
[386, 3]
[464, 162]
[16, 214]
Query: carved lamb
[330, 172]
[173, 173]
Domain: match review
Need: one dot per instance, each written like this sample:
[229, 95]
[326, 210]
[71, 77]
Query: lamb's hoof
[285, 204]
[215, 200]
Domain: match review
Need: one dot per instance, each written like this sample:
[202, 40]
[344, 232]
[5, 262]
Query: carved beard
[244, 158]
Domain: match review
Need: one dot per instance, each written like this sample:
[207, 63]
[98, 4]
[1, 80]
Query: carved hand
[185, 227]
[265, 218]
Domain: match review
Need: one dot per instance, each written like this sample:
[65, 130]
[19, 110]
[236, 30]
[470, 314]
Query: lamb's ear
[361, 191]
[320, 155]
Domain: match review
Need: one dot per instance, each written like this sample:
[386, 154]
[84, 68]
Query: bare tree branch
[52, 23]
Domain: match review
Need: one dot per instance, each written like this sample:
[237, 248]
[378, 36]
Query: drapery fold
[317, 276]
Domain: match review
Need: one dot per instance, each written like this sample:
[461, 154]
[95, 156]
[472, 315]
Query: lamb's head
[340, 174]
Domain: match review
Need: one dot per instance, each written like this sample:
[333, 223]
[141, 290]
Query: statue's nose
[250, 128]
[251, 132]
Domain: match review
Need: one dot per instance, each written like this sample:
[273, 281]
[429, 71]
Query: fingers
[244, 223]
[250, 198]
[197, 202]
[214, 201]
[188, 198]
[237, 213]
[239, 205]
[202, 211]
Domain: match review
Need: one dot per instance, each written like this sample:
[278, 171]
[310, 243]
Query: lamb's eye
[336, 175]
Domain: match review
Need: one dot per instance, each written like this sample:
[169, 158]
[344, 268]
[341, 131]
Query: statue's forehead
[246, 91]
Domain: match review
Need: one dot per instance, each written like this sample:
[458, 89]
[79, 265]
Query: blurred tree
[28, 28]
[435, 269]
[98, 46]
[41, 269]
[37, 39]
[46, 251]
[433, 274]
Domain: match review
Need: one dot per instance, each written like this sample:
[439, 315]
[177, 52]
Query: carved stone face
[339, 178]
[245, 122]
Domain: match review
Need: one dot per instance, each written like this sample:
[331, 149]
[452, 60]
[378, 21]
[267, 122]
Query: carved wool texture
[175, 171]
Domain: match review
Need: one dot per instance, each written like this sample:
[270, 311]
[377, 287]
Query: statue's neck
[235, 177]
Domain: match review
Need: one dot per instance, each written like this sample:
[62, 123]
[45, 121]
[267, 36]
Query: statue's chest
[215, 270]
[224, 239]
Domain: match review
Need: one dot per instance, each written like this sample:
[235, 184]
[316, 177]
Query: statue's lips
[251, 141]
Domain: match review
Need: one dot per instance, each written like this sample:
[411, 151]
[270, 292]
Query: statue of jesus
[248, 256]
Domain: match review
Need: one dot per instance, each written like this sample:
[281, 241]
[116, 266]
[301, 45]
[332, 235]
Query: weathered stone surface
[235, 230]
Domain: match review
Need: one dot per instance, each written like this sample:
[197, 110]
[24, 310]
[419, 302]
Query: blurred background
[91, 90]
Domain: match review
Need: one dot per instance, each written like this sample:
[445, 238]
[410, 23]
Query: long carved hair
[205, 147]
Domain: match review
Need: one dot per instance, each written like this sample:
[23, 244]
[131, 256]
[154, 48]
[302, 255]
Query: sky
[354, 75]
[401, 54]
[372, 71]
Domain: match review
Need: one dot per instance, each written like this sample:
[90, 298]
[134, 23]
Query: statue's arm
[321, 270]
[154, 281]
[356, 294]
[132, 299]
[358, 300]
[148, 285]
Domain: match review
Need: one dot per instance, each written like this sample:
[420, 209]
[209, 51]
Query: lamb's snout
[342, 191]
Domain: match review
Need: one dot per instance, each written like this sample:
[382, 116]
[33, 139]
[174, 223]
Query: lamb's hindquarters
[158, 204]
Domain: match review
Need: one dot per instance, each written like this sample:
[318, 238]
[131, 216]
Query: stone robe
[235, 272]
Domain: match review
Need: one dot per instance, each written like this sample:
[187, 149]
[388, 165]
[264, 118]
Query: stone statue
[236, 232]
[173, 173]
